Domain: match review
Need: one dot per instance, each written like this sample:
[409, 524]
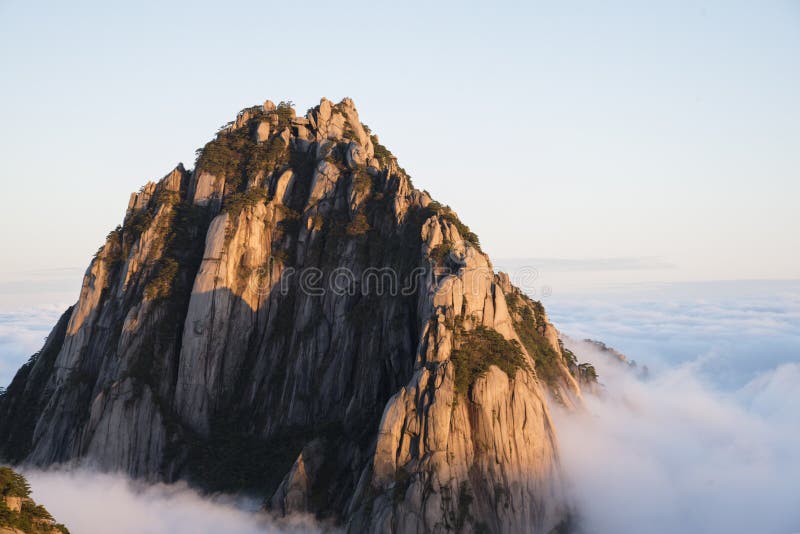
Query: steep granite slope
[294, 318]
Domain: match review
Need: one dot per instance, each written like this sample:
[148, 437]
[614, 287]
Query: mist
[676, 453]
[93, 503]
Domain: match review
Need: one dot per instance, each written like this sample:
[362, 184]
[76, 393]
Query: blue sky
[665, 133]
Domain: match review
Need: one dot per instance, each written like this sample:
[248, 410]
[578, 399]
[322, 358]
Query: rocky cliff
[293, 318]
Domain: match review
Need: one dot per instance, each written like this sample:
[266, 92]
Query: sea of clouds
[675, 453]
[728, 331]
[709, 443]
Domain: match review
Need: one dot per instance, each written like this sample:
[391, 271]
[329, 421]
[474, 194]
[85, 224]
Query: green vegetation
[447, 213]
[170, 198]
[463, 230]
[182, 251]
[177, 249]
[362, 181]
[235, 203]
[349, 132]
[583, 372]
[587, 373]
[174, 233]
[140, 221]
[263, 158]
[235, 155]
[222, 157]
[285, 112]
[114, 242]
[569, 357]
[13, 484]
[381, 152]
[525, 313]
[160, 286]
[31, 518]
[480, 348]
[275, 149]
[545, 357]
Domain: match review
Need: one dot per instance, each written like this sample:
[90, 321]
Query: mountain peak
[293, 318]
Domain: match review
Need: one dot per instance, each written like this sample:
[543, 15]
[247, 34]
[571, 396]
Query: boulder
[263, 131]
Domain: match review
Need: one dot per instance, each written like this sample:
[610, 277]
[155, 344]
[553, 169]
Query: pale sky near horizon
[657, 142]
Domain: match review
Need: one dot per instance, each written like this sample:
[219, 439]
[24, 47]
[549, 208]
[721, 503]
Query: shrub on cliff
[26, 516]
[13, 484]
[480, 348]
[161, 285]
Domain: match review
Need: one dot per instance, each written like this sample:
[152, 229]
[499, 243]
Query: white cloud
[91, 503]
[676, 454]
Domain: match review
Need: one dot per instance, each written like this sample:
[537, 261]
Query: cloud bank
[677, 454]
[91, 503]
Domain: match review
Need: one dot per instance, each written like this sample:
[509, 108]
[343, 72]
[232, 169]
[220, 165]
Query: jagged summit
[293, 318]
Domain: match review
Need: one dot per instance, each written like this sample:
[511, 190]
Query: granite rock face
[292, 317]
